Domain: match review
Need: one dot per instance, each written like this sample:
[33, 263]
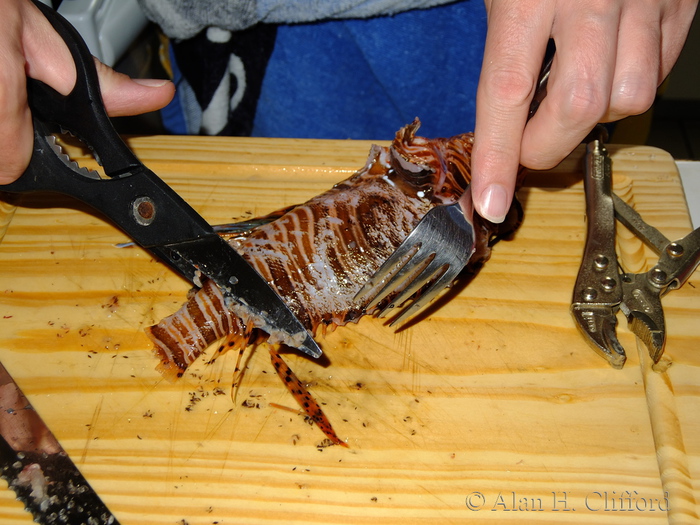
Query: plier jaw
[602, 287]
[597, 324]
[644, 312]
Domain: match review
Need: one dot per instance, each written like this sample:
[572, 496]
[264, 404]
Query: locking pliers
[602, 287]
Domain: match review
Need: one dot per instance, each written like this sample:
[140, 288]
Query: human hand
[611, 57]
[29, 47]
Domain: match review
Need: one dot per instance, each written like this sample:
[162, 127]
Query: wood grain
[493, 400]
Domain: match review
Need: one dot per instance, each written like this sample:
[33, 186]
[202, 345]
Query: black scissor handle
[81, 111]
[138, 201]
[133, 197]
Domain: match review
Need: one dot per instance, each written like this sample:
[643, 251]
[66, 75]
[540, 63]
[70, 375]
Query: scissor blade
[37, 468]
[248, 295]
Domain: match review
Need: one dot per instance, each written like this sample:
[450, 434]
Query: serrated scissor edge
[73, 165]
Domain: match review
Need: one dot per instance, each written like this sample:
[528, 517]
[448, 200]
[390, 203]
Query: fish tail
[181, 338]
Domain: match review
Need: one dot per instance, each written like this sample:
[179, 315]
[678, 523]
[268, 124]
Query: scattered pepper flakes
[112, 304]
[325, 444]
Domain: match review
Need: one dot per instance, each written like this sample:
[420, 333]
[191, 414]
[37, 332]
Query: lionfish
[318, 255]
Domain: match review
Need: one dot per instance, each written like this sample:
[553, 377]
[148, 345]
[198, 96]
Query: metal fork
[438, 248]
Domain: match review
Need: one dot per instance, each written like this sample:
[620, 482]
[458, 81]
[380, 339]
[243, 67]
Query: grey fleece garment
[183, 19]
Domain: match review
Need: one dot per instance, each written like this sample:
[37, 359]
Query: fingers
[637, 65]
[518, 31]
[15, 119]
[49, 60]
[46, 55]
[675, 24]
[30, 47]
[580, 84]
[611, 56]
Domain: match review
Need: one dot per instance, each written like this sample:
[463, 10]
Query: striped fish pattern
[319, 254]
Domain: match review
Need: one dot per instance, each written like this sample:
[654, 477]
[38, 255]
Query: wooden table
[493, 408]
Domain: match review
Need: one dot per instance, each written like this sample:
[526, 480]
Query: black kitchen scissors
[139, 202]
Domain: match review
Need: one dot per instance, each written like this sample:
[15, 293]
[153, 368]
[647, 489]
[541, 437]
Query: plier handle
[602, 287]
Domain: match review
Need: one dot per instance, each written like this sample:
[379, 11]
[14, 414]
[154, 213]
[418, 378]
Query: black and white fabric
[322, 69]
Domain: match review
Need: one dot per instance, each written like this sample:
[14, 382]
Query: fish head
[435, 169]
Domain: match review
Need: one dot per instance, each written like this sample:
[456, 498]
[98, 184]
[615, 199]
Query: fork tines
[430, 256]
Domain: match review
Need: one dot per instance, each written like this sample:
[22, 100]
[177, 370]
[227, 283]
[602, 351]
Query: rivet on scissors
[674, 249]
[144, 210]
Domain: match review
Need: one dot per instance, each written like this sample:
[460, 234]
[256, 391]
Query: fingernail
[494, 203]
[151, 82]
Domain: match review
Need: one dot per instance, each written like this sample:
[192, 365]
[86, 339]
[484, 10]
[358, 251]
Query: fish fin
[245, 228]
[239, 370]
[306, 401]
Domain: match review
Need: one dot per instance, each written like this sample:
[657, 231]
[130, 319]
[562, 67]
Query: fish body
[319, 254]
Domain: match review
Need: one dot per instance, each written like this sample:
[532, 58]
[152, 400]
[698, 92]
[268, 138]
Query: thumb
[29, 46]
[125, 96]
[48, 59]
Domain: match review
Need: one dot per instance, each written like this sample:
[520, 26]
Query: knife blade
[38, 469]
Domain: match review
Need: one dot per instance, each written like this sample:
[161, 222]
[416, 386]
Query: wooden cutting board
[491, 408]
